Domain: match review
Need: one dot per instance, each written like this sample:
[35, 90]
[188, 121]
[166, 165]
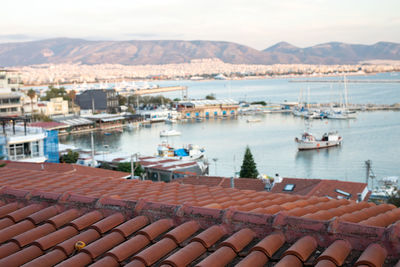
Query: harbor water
[372, 136]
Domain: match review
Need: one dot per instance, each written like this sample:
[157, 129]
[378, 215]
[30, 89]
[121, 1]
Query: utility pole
[92, 142]
[368, 166]
[132, 170]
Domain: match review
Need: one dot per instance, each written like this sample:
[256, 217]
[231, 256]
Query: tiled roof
[304, 187]
[240, 183]
[47, 229]
[320, 187]
[57, 168]
[92, 185]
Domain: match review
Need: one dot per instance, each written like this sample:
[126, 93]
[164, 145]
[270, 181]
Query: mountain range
[136, 52]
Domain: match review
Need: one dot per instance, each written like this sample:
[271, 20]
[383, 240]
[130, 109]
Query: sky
[256, 23]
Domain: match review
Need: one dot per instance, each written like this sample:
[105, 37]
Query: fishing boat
[309, 141]
[188, 152]
[170, 132]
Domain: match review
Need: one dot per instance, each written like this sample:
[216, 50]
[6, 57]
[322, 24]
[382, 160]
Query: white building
[20, 145]
[56, 106]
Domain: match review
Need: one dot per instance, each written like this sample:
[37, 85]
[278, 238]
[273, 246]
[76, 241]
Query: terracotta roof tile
[374, 255]
[221, 257]
[86, 220]
[131, 226]
[50, 259]
[108, 223]
[33, 234]
[107, 261]
[210, 236]
[183, 231]
[88, 236]
[186, 255]
[270, 244]
[103, 244]
[325, 263]
[337, 252]
[64, 218]
[129, 247]
[155, 252]
[239, 240]
[21, 257]
[54, 238]
[81, 259]
[289, 260]
[255, 258]
[157, 228]
[24, 212]
[15, 229]
[303, 248]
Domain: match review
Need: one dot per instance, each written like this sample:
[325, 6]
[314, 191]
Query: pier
[160, 90]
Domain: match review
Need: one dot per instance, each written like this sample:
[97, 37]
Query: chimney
[232, 182]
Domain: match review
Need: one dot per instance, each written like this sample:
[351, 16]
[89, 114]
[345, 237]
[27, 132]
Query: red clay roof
[240, 183]
[64, 168]
[320, 187]
[49, 217]
[42, 229]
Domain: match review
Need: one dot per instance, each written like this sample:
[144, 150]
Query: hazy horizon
[258, 24]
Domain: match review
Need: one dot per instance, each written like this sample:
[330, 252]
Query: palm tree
[31, 93]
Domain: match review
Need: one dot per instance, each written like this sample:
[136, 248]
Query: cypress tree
[249, 168]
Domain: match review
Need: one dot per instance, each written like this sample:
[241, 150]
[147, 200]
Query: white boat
[253, 120]
[308, 141]
[170, 132]
[386, 188]
[189, 152]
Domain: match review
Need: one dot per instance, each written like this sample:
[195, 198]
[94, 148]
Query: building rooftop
[48, 217]
[50, 125]
[306, 187]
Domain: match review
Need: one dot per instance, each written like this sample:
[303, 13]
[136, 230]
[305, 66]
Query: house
[98, 100]
[51, 217]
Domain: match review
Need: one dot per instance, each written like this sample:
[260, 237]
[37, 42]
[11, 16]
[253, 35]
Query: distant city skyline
[258, 24]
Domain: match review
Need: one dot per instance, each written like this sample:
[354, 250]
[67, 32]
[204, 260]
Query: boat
[386, 188]
[170, 132]
[253, 120]
[308, 141]
[189, 152]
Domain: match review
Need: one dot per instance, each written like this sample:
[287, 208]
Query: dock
[160, 90]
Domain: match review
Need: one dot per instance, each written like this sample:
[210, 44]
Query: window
[35, 149]
[289, 187]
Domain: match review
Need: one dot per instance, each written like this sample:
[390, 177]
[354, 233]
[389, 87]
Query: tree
[53, 92]
[126, 167]
[210, 97]
[31, 93]
[121, 100]
[70, 157]
[249, 168]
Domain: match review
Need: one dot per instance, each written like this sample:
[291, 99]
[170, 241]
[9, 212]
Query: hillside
[66, 50]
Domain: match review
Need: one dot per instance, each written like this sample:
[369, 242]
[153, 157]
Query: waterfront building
[98, 100]
[106, 121]
[190, 109]
[75, 123]
[18, 142]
